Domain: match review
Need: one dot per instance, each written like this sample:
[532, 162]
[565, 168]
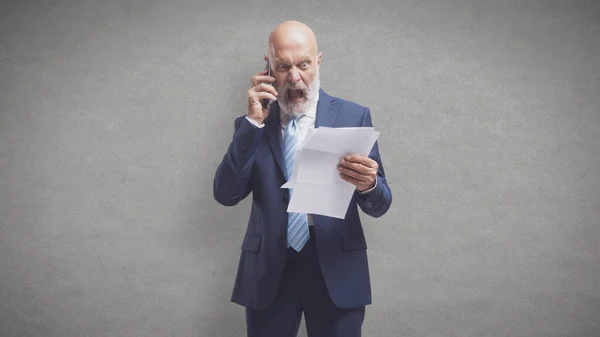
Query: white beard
[311, 94]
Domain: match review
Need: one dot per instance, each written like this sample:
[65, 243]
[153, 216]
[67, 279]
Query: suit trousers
[303, 290]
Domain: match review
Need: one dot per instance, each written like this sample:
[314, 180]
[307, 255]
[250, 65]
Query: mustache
[295, 86]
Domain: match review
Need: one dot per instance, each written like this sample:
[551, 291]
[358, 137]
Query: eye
[304, 65]
[283, 66]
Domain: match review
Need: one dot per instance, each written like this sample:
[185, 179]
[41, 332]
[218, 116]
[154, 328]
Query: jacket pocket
[353, 241]
[251, 243]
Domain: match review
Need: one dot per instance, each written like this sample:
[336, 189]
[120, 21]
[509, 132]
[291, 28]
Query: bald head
[292, 35]
[295, 60]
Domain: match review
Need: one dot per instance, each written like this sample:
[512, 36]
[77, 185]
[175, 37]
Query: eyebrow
[303, 59]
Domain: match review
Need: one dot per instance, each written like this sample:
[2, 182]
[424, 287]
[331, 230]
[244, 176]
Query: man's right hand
[259, 91]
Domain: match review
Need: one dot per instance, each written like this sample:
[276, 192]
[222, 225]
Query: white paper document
[316, 185]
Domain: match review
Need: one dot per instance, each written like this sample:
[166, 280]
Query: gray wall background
[115, 114]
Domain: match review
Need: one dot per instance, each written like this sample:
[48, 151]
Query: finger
[364, 160]
[263, 94]
[350, 179]
[252, 96]
[266, 79]
[360, 168]
[256, 97]
[357, 159]
[358, 184]
[262, 73]
[258, 79]
[266, 87]
[354, 174]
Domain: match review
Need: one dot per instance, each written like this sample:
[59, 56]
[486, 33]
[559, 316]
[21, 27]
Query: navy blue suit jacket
[254, 163]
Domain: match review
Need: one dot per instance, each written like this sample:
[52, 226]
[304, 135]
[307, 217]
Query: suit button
[282, 234]
[286, 196]
[369, 204]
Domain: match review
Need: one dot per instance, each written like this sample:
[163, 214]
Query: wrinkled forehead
[292, 54]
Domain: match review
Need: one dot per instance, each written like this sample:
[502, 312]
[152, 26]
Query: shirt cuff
[369, 190]
[255, 123]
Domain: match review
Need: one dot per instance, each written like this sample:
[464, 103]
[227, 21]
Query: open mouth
[295, 95]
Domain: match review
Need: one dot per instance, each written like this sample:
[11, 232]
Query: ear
[319, 59]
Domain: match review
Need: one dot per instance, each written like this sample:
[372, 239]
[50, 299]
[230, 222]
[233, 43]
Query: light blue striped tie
[297, 222]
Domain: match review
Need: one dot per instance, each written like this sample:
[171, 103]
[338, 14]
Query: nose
[294, 76]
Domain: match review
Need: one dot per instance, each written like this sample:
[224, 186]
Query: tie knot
[293, 122]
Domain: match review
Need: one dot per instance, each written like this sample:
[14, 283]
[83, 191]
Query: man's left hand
[360, 171]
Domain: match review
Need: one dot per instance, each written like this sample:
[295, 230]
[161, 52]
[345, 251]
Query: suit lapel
[273, 126]
[326, 110]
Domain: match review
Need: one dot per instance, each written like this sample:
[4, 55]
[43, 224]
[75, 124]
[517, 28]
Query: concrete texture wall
[115, 114]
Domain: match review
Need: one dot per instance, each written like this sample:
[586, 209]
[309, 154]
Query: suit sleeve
[231, 184]
[376, 202]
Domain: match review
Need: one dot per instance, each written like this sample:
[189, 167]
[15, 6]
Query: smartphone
[265, 102]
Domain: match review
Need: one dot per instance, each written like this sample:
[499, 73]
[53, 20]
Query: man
[297, 263]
